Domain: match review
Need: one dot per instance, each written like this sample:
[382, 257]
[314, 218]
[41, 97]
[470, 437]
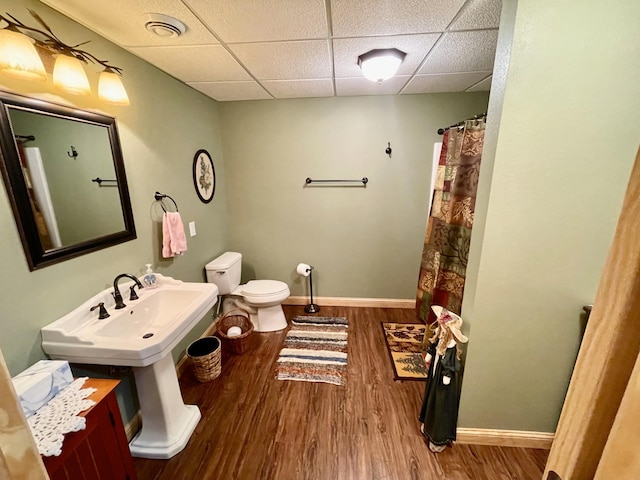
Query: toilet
[261, 298]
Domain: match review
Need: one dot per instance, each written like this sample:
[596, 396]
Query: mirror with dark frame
[65, 178]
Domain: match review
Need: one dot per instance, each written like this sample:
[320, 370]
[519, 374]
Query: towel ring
[160, 198]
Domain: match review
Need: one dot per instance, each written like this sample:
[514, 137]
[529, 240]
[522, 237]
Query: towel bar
[363, 180]
[100, 181]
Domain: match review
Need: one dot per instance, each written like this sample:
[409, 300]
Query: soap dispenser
[149, 279]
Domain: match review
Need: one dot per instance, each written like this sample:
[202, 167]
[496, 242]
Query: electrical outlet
[192, 229]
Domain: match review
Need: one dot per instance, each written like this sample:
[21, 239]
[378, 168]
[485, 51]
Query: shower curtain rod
[459, 124]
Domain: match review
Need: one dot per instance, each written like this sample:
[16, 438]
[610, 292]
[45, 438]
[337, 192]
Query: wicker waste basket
[236, 318]
[205, 354]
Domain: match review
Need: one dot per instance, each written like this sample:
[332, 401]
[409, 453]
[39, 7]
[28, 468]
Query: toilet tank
[225, 272]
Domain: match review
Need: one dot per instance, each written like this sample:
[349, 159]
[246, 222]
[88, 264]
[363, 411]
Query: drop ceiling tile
[483, 86]
[231, 91]
[284, 44]
[263, 20]
[300, 88]
[359, 18]
[361, 86]
[479, 14]
[347, 50]
[285, 60]
[209, 63]
[453, 82]
[463, 52]
[122, 21]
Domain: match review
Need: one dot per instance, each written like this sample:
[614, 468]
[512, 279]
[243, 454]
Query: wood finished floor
[255, 427]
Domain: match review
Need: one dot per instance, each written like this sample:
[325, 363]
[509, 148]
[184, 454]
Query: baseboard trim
[133, 426]
[353, 302]
[504, 438]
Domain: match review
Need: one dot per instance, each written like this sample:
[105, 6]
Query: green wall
[363, 242]
[560, 162]
[166, 123]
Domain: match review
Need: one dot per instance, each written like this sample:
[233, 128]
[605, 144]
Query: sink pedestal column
[167, 423]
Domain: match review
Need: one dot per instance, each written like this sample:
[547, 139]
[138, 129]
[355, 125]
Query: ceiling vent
[163, 25]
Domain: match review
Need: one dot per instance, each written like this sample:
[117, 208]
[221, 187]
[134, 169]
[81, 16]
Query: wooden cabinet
[101, 451]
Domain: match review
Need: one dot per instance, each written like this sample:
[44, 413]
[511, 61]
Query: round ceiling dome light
[163, 25]
[381, 64]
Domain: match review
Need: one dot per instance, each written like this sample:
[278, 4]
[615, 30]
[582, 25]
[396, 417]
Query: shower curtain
[38, 190]
[446, 247]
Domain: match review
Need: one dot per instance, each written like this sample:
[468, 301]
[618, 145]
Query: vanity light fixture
[18, 56]
[19, 47]
[69, 76]
[111, 89]
[380, 64]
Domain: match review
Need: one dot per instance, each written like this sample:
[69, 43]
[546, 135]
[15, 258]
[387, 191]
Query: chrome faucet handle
[132, 292]
[102, 314]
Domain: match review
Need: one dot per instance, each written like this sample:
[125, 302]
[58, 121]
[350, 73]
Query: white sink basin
[141, 335]
[137, 335]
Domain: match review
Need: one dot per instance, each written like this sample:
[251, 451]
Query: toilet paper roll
[303, 269]
[234, 332]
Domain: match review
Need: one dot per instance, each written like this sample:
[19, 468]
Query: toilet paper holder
[307, 271]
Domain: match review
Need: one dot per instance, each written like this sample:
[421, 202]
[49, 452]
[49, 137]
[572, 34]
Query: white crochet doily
[60, 416]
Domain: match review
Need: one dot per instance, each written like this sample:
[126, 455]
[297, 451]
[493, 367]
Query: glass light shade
[111, 89]
[69, 76]
[380, 65]
[18, 57]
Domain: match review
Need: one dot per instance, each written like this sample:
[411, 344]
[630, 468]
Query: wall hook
[388, 149]
[73, 153]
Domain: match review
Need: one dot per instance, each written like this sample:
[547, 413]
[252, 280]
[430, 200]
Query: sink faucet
[116, 291]
[103, 311]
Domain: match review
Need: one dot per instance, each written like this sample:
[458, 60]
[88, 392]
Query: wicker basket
[205, 354]
[236, 318]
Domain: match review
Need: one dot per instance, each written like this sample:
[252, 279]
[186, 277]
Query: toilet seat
[263, 291]
[260, 288]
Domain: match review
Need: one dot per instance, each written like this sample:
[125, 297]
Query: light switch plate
[192, 229]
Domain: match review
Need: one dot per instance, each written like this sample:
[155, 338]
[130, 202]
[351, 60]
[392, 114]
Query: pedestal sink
[141, 336]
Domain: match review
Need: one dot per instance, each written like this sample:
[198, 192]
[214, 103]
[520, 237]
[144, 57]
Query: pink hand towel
[178, 243]
[166, 238]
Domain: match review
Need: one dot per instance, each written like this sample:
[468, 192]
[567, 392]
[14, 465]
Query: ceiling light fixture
[17, 59]
[380, 64]
[164, 25]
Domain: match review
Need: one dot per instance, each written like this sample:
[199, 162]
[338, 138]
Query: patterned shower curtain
[446, 248]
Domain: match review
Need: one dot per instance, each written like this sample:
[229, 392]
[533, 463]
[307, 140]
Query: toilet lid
[263, 287]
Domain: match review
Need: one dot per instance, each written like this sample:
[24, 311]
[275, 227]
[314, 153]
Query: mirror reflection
[60, 156]
[65, 178]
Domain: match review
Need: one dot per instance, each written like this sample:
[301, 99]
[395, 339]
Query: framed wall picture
[204, 176]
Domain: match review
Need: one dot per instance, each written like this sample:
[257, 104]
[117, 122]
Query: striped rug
[315, 350]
